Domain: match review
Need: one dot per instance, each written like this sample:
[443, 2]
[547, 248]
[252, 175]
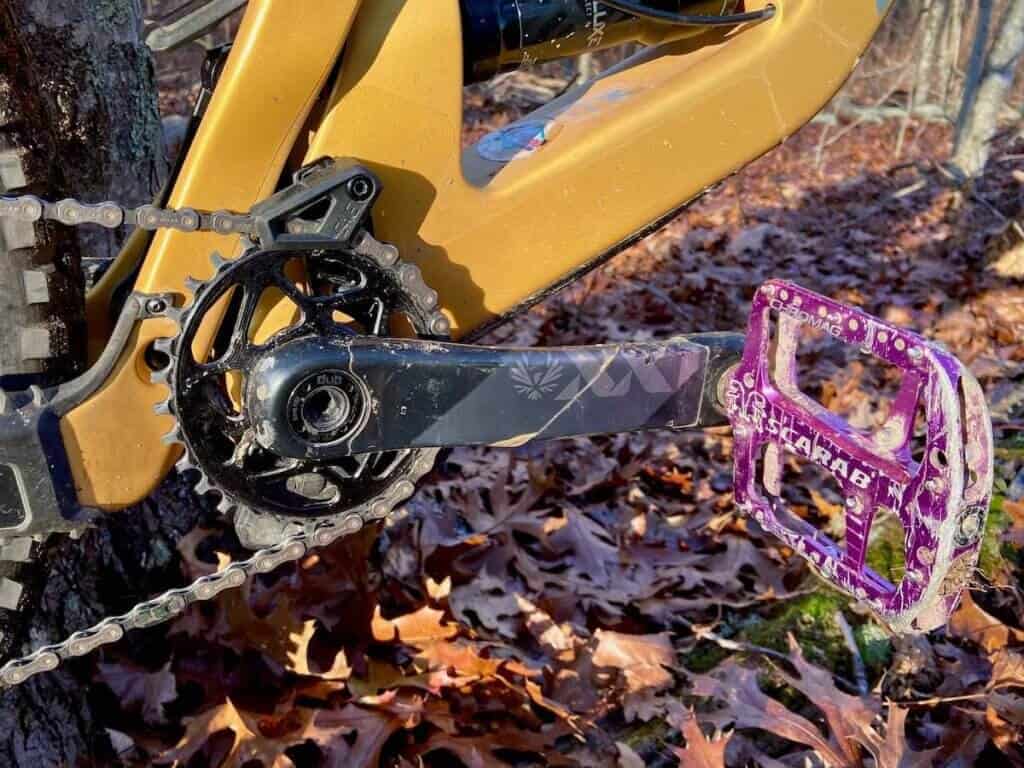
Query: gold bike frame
[381, 82]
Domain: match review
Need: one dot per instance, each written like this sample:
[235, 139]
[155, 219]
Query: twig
[766, 599]
[934, 700]
[860, 674]
[703, 633]
[915, 187]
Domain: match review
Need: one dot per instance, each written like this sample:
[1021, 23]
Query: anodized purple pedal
[942, 499]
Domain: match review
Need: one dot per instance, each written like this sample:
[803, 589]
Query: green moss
[886, 553]
[811, 620]
[641, 735]
[704, 657]
[875, 648]
[994, 552]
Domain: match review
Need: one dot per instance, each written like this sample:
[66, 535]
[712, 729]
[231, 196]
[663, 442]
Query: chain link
[31, 209]
[174, 602]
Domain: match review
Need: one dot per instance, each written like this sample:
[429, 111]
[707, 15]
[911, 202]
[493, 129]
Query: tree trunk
[987, 87]
[933, 16]
[78, 117]
[949, 50]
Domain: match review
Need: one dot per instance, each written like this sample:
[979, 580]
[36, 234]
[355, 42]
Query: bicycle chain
[174, 602]
[31, 209]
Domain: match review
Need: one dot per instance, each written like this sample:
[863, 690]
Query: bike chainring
[333, 292]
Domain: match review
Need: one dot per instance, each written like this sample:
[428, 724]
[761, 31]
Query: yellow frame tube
[621, 153]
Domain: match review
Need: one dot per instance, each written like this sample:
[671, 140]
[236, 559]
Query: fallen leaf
[642, 660]
[893, 751]
[970, 621]
[418, 628]
[141, 691]
[487, 602]
[849, 717]
[750, 707]
[366, 730]
[593, 551]
[248, 743]
[700, 751]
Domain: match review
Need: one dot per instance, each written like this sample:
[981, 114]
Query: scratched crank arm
[308, 397]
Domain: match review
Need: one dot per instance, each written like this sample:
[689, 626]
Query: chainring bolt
[361, 188]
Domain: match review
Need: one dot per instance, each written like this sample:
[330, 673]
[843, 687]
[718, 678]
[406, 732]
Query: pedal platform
[938, 486]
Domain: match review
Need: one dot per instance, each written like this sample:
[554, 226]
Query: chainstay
[174, 602]
[72, 213]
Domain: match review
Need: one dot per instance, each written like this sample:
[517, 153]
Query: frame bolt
[156, 306]
[361, 188]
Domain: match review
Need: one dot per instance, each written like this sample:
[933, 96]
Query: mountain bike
[293, 324]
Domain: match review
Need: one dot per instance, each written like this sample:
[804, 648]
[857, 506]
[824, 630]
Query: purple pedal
[941, 497]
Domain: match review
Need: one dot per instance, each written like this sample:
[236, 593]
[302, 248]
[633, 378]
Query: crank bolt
[361, 188]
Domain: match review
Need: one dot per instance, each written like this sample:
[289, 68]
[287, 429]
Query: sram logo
[821, 323]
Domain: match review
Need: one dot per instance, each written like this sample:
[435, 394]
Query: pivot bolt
[361, 188]
[156, 306]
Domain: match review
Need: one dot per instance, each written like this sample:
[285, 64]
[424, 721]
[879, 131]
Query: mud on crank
[327, 425]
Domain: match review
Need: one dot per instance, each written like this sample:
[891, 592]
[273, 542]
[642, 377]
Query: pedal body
[940, 492]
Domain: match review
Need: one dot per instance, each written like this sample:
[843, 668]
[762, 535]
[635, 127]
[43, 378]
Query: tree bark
[949, 50]
[78, 111]
[82, 69]
[933, 16]
[988, 83]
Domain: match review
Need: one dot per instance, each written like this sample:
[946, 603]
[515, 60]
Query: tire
[42, 332]
[41, 296]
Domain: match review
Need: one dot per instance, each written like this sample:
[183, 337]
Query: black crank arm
[322, 398]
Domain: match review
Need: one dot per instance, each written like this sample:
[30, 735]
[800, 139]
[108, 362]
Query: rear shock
[502, 35]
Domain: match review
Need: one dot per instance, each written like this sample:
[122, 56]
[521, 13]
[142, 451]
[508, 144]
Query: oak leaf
[849, 717]
[641, 659]
[141, 691]
[248, 743]
[487, 601]
[750, 707]
[700, 751]
[478, 751]
[281, 635]
[365, 731]
[417, 628]
[593, 551]
[893, 751]
[972, 622]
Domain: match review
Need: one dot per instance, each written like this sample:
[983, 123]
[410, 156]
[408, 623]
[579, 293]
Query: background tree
[989, 81]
